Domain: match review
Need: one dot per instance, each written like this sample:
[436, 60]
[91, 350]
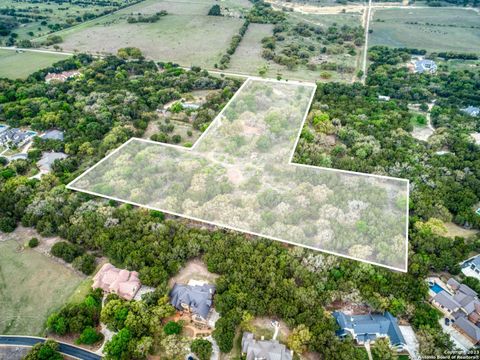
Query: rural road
[365, 48]
[66, 349]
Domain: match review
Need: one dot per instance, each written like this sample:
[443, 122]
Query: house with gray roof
[13, 137]
[472, 110]
[367, 328]
[264, 349]
[425, 66]
[53, 135]
[471, 267]
[195, 299]
[469, 329]
[462, 306]
[446, 303]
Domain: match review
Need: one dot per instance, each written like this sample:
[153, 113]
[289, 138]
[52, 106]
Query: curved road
[65, 349]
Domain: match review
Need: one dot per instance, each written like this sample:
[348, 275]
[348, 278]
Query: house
[191, 106]
[367, 328]
[425, 66]
[111, 280]
[13, 137]
[471, 110]
[264, 349]
[195, 299]
[469, 329]
[61, 77]
[471, 267]
[445, 303]
[383, 97]
[47, 160]
[462, 306]
[53, 135]
[3, 127]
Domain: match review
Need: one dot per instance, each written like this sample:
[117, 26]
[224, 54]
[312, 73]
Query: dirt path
[366, 24]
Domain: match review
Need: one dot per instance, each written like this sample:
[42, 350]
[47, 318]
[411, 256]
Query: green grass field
[186, 35]
[15, 65]
[434, 29]
[51, 12]
[31, 287]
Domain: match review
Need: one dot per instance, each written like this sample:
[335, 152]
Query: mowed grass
[433, 29]
[186, 36]
[15, 65]
[31, 287]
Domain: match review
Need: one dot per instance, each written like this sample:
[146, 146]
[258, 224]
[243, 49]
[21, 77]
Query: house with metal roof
[367, 328]
[195, 299]
[425, 66]
[53, 135]
[264, 349]
[472, 110]
[469, 329]
[446, 303]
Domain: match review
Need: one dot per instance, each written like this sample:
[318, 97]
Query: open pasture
[15, 65]
[432, 29]
[186, 36]
[30, 18]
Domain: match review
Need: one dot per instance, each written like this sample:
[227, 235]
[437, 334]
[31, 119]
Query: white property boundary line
[212, 124]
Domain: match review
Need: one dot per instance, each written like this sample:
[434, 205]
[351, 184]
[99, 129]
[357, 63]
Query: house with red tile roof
[112, 280]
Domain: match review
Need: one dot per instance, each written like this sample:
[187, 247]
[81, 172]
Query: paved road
[66, 349]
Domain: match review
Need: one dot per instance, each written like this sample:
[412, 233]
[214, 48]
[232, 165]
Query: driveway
[458, 339]
[411, 340]
[66, 349]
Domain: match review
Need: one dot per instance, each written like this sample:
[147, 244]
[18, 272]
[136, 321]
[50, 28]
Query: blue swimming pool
[436, 288]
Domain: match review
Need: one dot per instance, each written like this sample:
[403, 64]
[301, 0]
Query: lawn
[433, 29]
[31, 287]
[15, 65]
[186, 35]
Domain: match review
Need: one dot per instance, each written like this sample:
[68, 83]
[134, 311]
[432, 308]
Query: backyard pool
[436, 288]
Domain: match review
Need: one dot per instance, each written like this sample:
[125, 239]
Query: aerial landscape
[239, 179]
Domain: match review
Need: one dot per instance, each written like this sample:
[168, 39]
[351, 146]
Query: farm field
[434, 29]
[15, 65]
[31, 287]
[186, 35]
[31, 18]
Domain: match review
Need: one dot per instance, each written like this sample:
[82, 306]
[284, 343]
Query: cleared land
[432, 29]
[186, 35]
[31, 287]
[15, 65]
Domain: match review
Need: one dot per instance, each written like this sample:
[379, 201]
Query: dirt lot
[194, 270]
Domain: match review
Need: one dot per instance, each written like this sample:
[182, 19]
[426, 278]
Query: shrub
[215, 10]
[84, 263]
[201, 348]
[172, 328]
[67, 251]
[7, 224]
[89, 336]
[33, 242]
